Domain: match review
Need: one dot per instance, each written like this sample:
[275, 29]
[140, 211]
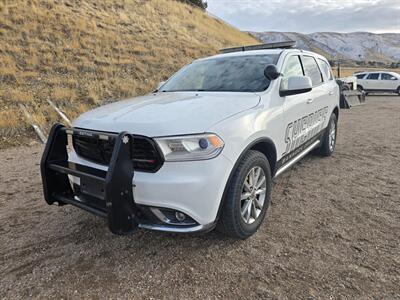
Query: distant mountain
[355, 46]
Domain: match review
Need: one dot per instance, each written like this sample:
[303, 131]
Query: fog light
[180, 216]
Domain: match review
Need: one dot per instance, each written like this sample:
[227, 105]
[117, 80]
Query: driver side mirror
[271, 72]
[294, 85]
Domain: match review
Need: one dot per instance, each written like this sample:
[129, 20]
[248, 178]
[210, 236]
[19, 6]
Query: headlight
[190, 147]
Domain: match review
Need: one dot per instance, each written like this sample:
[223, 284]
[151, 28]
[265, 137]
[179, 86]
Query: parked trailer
[349, 94]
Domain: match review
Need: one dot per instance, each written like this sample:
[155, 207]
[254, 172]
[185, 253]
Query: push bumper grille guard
[107, 193]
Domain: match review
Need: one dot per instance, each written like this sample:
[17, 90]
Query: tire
[329, 138]
[398, 90]
[232, 221]
[345, 87]
[360, 88]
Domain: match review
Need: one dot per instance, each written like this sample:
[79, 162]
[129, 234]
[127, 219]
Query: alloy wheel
[332, 136]
[252, 199]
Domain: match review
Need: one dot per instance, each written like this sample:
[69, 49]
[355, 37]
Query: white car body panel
[162, 114]
[240, 119]
[381, 84]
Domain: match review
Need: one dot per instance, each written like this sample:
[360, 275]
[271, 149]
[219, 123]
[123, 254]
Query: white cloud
[310, 16]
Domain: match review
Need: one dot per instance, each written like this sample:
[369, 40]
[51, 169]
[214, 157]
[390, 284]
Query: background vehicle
[202, 150]
[378, 81]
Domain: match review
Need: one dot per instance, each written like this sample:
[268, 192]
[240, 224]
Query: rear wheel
[247, 197]
[361, 90]
[398, 90]
[329, 138]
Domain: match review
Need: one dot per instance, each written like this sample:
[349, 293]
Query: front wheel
[329, 138]
[247, 197]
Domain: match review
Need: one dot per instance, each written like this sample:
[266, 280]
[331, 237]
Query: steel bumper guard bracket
[104, 193]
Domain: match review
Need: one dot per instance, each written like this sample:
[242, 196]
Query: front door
[301, 110]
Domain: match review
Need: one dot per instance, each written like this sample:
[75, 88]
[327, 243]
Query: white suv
[203, 149]
[379, 81]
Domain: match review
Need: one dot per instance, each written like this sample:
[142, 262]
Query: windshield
[225, 74]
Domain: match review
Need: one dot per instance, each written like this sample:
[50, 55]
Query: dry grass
[84, 53]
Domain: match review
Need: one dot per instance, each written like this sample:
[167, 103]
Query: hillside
[85, 53]
[356, 46]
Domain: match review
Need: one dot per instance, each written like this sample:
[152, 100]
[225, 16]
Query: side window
[326, 69]
[386, 76]
[373, 76]
[292, 67]
[360, 76]
[311, 69]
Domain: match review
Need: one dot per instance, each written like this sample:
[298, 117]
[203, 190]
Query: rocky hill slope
[356, 46]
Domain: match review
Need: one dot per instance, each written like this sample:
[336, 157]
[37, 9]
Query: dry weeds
[84, 53]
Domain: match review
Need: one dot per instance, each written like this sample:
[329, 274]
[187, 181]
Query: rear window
[311, 70]
[386, 76]
[373, 76]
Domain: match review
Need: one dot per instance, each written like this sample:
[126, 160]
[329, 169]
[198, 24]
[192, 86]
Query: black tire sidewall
[332, 120]
[250, 160]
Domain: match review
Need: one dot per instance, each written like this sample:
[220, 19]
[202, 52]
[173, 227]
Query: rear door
[331, 88]
[389, 82]
[318, 101]
[372, 82]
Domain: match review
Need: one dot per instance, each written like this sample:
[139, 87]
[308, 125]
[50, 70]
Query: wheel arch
[336, 112]
[264, 145]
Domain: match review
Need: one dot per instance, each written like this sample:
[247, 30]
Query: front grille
[145, 155]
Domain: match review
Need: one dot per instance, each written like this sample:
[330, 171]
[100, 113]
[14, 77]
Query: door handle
[330, 93]
[310, 101]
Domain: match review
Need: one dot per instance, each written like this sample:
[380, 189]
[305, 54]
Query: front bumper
[124, 196]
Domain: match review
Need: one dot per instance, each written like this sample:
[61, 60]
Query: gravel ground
[333, 230]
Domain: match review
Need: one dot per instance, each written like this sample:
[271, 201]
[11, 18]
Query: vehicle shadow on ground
[381, 95]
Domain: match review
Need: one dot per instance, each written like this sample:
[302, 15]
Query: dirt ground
[333, 231]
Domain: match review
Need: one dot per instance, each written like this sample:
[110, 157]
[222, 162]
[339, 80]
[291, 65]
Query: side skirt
[297, 158]
[303, 150]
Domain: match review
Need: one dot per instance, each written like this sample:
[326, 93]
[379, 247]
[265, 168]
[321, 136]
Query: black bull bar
[105, 193]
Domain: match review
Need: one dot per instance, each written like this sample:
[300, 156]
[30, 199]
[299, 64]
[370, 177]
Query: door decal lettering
[302, 130]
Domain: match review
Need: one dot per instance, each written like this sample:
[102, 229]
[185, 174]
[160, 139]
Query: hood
[163, 114]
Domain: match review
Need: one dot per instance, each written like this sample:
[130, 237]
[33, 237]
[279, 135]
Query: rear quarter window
[325, 69]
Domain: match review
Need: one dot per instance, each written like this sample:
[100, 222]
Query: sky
[309, 16]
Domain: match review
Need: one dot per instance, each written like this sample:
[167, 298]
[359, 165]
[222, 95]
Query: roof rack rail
[278, 45]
